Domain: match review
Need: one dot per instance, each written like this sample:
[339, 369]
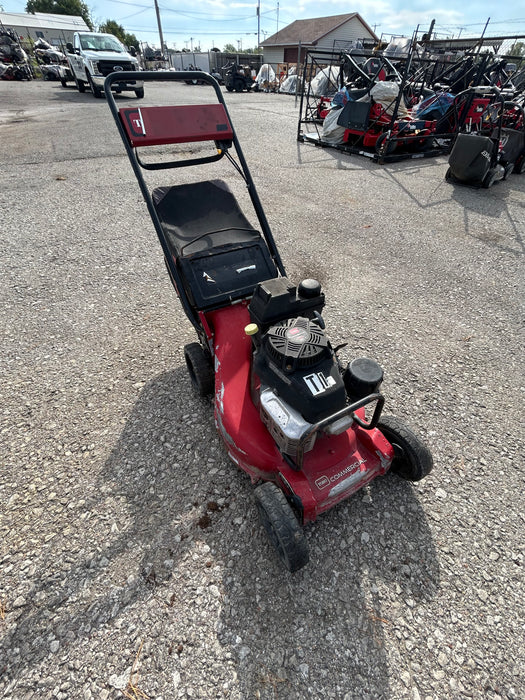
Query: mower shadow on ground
[375, 554]
[349, 162]
[167, 500]
[490, 203]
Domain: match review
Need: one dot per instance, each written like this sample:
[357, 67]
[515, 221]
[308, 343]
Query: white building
[57, 30]
[318, 33]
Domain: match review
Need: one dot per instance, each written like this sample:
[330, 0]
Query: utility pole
[258, 22]
[160, 27]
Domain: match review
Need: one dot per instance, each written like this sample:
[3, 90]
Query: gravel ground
[112, 580]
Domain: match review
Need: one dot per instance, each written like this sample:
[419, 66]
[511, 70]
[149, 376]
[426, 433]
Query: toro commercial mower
[307, 429]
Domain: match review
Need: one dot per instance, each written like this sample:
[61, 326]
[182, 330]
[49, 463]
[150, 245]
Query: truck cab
[92, 56]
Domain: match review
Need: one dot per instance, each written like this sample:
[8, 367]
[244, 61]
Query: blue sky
[217, 22]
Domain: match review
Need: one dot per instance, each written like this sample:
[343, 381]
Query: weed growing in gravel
[132, 691]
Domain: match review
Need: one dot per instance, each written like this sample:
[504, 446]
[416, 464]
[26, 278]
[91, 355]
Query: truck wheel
[238, 86]
[139, 93]
[281, 525]
[63, 82]
[412, 458]
[81, 85]
[97, 92]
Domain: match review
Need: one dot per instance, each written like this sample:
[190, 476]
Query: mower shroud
[218, 263]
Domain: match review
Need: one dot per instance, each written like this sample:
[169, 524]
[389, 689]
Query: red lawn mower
[308, 430]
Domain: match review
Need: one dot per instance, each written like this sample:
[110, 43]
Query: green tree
[112, 27]
[229, 48]
[77, 8]
[517, 49]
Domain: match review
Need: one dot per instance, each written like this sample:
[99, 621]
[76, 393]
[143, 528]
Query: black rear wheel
[412, 458]
[238, 85]
[139, 93]
[200, 369]
[281, 525]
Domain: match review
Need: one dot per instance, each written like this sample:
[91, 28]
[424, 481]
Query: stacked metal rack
[450, 96]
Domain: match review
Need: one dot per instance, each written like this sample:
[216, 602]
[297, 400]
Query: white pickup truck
[94, 56]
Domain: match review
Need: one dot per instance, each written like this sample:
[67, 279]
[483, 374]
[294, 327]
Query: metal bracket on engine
[347, 410]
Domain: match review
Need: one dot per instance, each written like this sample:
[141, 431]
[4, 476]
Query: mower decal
[140, 121]
[244, 269]
[208, 278]
[324, 481]
[318, 383]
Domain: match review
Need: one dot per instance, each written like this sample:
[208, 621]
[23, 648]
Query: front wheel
[490, 178]
[412, 458]
[384, 146]
[281, 525]
[200, 369]
[139, 93]
[97, 92]
[81, 85]
[63, 82]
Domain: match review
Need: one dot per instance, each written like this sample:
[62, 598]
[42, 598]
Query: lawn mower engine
[297, 380]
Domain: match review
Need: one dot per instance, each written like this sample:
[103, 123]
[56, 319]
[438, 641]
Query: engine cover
[296, 361]
[296, 344]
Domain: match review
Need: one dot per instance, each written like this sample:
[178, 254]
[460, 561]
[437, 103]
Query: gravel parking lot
[113, 584]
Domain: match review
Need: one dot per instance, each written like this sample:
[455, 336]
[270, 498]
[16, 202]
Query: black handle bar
[164, 76]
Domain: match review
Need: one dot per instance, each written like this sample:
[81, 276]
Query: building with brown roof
[319, 33]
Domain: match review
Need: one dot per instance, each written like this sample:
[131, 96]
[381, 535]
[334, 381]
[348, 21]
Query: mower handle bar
[171, 76]
[163, 76]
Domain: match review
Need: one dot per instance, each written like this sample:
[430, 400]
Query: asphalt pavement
[132, 560]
